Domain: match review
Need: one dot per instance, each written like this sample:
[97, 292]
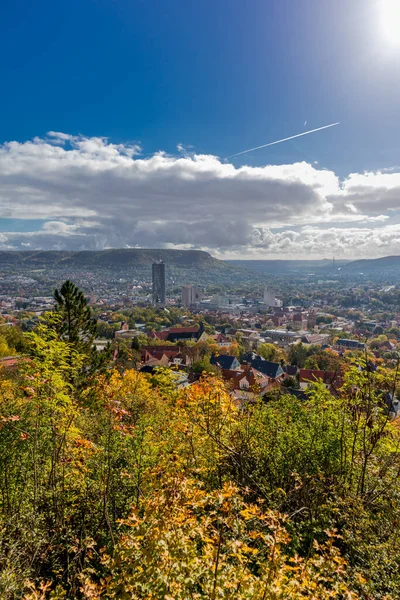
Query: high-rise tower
[191, 295]
[158, 275]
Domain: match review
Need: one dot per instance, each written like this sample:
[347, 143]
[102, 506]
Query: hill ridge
[383, 262]
[117, 257]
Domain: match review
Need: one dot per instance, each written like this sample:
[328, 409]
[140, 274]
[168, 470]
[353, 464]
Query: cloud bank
[91, 194]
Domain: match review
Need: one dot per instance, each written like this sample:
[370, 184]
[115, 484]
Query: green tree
[203, 365]
[105, 330]
[271, 352]
[77, 325]
[395, 331]
[376, 342]
[324, 319]
[298, 354]
[5, 349]
[135, 345]
[290, 382]
[15, 338]
[325, 361]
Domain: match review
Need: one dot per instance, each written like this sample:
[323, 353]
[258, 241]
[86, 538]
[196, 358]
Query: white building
[191, 295]
[270, 298]
[227, 301]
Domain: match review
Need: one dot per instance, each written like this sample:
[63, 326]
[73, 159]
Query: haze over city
[118, 118]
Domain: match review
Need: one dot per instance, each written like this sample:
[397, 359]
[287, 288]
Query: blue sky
[216, 77]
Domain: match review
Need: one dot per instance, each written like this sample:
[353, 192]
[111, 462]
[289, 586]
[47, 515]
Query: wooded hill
[110, 258]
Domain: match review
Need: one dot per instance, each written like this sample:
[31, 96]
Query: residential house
[247, 384]
[291, 370]
[178, 334]
[342, 344]
[299, 321]
[127, 334]
[170, 356]
[220, 339]
[332, 380]
[316, 339]
[271, 369]
[225, 362]
[278, 320]
[281, 336]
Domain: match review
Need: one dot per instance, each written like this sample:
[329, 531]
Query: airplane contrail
[284, 139]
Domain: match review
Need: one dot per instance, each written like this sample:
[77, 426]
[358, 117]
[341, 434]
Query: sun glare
[390, 16]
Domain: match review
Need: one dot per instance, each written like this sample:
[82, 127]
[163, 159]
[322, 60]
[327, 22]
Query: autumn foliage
[129, 488]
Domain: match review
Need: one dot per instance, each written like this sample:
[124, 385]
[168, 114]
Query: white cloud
[95, 194]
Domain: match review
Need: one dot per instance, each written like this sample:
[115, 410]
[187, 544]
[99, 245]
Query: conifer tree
[77, 325]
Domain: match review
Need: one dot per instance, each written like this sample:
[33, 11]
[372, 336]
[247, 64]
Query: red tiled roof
[160, 353]
[221, 338]
[328, 377]
[157, 348]
[9, 361]
[253, 376]
[194, 329]
[163, 335]
[299, 317]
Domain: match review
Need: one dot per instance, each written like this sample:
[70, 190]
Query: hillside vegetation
[374, 264]
[118, 485]
[110, 258]
[279, 266]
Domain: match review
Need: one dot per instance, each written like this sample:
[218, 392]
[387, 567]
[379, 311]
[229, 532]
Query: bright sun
[390, 16]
